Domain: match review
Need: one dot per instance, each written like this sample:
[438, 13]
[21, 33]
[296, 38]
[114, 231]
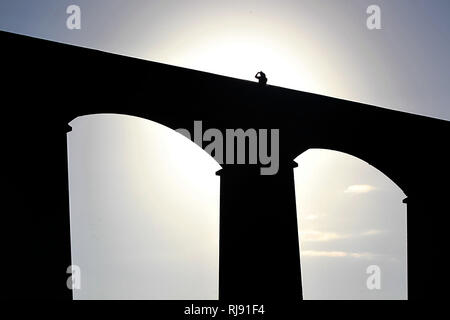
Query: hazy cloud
[372, 232]
[319, 236]
[313, 236]
[337, 254]
[311, 217]
[359, 188]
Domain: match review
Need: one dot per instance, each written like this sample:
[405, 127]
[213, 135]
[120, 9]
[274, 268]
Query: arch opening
[144, 210]
[351, 218]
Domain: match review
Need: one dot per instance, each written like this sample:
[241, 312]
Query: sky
[317, 46]
[351, 215]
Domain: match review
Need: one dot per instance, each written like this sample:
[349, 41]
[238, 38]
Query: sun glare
[246, 47]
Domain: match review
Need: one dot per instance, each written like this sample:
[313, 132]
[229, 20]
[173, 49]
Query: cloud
[315, 236]
[337, 254]
[319, 236]
[359, 188]
[371, 232]
[311, 217]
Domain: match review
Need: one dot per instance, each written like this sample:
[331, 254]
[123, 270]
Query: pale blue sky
[320, 46]
[317, 46]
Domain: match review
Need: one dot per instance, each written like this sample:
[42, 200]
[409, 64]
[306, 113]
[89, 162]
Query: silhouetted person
[261, 76]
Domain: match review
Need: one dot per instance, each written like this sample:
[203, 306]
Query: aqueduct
[259, 241]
